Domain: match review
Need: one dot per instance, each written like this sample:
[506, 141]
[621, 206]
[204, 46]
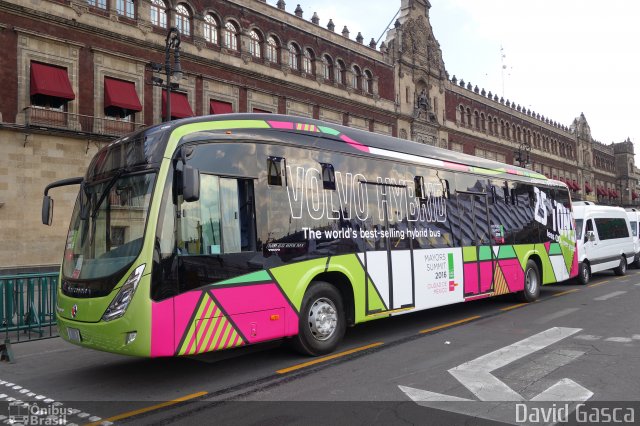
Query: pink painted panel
[547, 246]
[513, 274]
[261, 326]
[184, 305]
[253, 298]
[355, 144]
[471, 278]
[486, 276]
[162, 333]
[574, 265]
[281, 124]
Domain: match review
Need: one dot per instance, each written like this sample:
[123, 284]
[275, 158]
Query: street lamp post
[522, 154]
[171, 70]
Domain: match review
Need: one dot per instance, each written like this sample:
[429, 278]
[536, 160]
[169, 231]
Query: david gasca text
[583, 414]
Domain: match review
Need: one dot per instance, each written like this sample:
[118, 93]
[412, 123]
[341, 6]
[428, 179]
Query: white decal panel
[438, 277]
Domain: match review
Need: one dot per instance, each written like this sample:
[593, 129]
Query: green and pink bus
[217, 232]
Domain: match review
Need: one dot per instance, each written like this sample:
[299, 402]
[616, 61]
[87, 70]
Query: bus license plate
[74, 334]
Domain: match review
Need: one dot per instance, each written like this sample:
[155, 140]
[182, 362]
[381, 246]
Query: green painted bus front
[394, 226]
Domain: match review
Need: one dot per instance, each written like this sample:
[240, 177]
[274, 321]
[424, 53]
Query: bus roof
[357, 140]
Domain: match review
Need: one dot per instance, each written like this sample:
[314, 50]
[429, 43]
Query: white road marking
[564, 390]
[541, 366]
[610, 295]
[423, 395]
[547, 318]
[476, 375]
[589, 337]
[636, 337]
[619, 339]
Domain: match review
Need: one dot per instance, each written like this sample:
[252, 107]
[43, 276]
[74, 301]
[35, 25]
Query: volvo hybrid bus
[216, 232]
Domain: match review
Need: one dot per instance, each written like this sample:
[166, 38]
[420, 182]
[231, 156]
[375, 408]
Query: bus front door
[477, 243]
[388, 257]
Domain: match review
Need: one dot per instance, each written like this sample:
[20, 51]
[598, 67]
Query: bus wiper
[106, 190]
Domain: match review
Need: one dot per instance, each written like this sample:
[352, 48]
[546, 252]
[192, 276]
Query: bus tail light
[119, 305]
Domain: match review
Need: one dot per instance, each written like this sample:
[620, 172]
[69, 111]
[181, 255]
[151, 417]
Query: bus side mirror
[47, 210]
[190, 184]
[589, 236]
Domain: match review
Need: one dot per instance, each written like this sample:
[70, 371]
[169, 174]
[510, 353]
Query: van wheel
[636, 262]
[584, 273]
[322, 322]
[622, 269]
[531, 283]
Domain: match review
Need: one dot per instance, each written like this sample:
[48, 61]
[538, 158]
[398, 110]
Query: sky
[558, 58]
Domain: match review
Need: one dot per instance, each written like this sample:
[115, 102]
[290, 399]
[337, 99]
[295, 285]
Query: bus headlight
[119, 305]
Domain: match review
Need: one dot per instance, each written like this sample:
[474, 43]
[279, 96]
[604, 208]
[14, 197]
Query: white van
[634, 221]
[604, 239]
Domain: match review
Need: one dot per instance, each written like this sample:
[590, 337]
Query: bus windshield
[107, 226]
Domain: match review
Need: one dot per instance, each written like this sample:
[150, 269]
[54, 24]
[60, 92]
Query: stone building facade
[244, 56]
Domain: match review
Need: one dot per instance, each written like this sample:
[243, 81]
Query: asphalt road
[482, 362]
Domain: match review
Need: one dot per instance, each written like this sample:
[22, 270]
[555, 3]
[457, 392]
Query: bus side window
[419, 185]
[274, 170]
[328, 176]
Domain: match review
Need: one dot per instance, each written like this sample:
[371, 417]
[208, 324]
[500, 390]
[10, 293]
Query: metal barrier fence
[27, 307]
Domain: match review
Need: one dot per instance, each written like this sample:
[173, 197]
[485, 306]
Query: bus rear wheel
[622, 268]
[531, 290]
[322, 321]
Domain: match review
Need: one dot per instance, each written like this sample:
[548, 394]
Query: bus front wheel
[531, 290]
[322, 321]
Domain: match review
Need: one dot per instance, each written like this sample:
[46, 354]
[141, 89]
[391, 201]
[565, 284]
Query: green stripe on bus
[485, 253]
[554, 248]
[248, 278]
[328, 130]
[469, 254]
[506, 252]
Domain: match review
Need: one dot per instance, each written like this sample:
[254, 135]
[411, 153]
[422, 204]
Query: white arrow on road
[476, 375]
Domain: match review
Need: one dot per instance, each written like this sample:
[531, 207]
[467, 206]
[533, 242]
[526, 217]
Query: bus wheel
[622, 269]
[322, 321]
[584, 273]
[531, 283]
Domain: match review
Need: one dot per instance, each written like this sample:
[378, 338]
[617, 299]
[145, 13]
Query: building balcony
[55, 119]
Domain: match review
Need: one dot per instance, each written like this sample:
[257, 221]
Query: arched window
[230, 36]
[255, 43]
[340, 71]
[356, 77]
[158, 13]
[211, 29]
[368, 82]
[183, 20]
[502, 129]
[476, 119]
[490, 127]
[469, 117]
[294, 56]
[271, 50]
[126, 8]
[307, 61]
[483, 124]
[327, 67]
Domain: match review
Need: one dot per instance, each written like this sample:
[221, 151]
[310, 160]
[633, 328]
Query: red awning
[121, 94]
[615, 193]
[219, 107]
[610, 193]
[634, 195]
[50, 80]
[261, 111]
[601, 191]
[575, 185]
[180, 107]
[588, 188]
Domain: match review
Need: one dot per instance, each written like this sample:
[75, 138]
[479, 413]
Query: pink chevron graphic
[251, 308]
[185, 304]
[456, 166]
[547, 246]
[486, 276]
[574, 265]
[162, 337]
[355, 144]
[287, 125]
[471, 278]
[513, 274]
